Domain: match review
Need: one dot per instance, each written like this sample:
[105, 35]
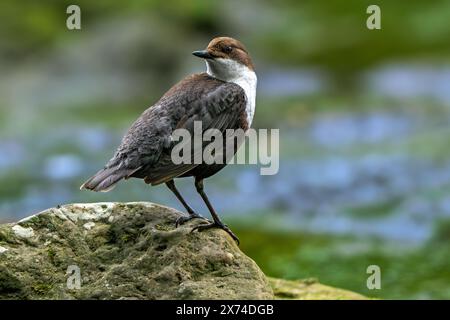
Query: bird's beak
[203, 54]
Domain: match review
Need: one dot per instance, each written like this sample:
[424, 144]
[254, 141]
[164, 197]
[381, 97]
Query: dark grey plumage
[146, 148]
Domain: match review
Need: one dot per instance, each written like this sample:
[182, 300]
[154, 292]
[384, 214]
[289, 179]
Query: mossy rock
[131, 251]
[310, 289]
[123, 251]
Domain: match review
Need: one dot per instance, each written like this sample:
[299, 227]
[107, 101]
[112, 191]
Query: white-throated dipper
[221, 98]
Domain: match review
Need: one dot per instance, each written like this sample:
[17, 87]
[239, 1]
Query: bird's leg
[192, 215]
[217, 223]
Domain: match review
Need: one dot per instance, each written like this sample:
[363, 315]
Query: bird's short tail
[106, 179]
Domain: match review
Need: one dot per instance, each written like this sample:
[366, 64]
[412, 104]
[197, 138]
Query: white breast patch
[232, 71]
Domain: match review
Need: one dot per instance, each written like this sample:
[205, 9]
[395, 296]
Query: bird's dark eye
[227, 49]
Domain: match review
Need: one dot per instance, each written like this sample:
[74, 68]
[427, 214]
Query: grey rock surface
[122, 251]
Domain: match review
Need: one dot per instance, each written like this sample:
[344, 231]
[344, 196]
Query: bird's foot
[211, 225]
[183, 219]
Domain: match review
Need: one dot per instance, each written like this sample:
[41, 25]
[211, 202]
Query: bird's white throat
[232, 71]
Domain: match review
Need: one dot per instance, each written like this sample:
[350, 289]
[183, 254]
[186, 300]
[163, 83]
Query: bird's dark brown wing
[146, 148]
[222, 108]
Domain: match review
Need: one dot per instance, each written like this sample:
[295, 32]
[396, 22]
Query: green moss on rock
[132, 251]
[10, 286]
[123, 251]
[310, 289]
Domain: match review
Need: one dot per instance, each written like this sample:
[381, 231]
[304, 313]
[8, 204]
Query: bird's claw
[211, 225]
[183, 219]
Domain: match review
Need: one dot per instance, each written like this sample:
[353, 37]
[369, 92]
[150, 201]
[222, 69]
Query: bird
[222, 98]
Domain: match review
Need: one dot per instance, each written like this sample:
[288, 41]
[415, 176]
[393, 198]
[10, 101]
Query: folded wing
[145, 151]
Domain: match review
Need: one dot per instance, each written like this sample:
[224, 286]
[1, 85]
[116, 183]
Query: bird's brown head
[224, 56]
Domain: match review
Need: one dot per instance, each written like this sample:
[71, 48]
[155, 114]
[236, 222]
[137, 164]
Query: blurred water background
[363, 116]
